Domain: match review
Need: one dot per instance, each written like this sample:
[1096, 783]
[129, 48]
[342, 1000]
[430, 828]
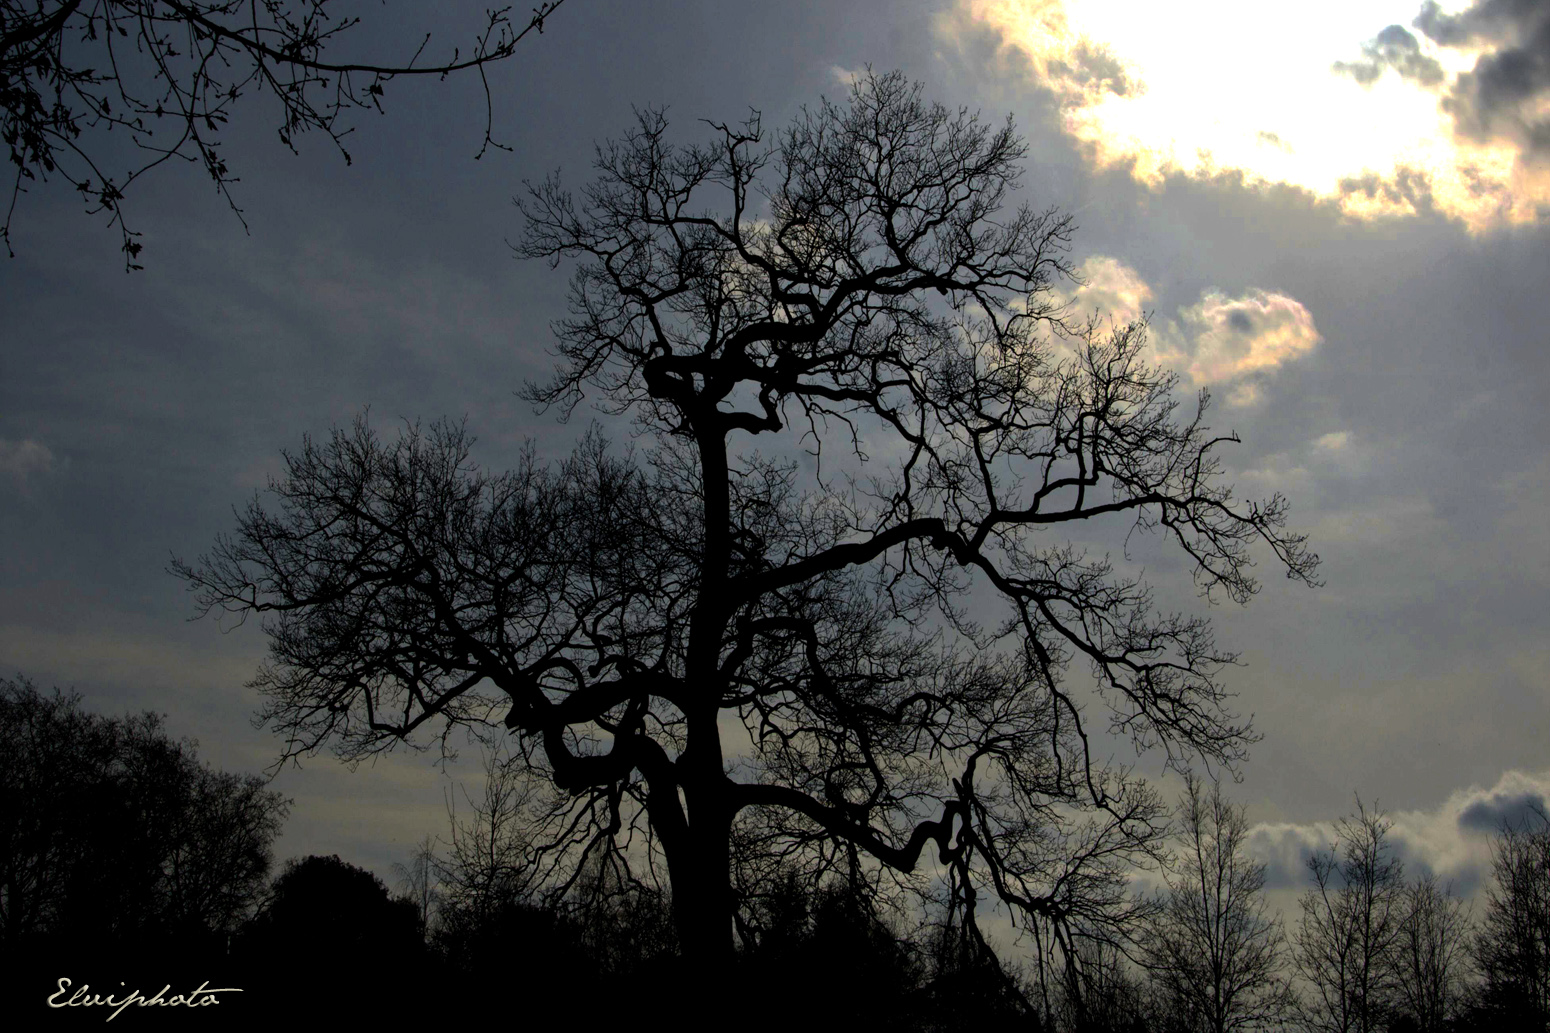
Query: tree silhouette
[112, 833]
[1433, 955]
[1512, 949]
[721, 654]
[1212, 950]
[832, 941]
[74, 70]
[325, 906]
[326, 937]
[1347, 944]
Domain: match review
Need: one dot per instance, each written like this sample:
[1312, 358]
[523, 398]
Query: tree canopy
[1512, 947]
[829, 619]
[186, 848]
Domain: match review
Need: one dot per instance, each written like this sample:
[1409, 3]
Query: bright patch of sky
[1220, 85]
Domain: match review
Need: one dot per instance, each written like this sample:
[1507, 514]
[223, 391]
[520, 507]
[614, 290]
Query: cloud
[20, 460]
[1234, 343]
[1506, 96]
[1237, 342]
[1337, 442]
[1270, 139]
[846, 76]
[1451, 841]
[1091, 70]
[1503, 808]
[1394, 48]
[1156, 96]
[1284, 850]
[1407, 188]
[1112, 289]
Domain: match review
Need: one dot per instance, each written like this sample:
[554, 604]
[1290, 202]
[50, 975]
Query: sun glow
[1225, 86]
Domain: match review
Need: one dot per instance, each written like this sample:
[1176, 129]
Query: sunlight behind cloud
[1222, 342]
[1223, 86]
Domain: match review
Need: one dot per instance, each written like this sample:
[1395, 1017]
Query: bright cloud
[1112, 288]
[1238, 341]
[1231, 343]
[1341, 100]
[23, 459]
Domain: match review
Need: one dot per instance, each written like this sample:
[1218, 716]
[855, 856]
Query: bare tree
[714, 644]
[1212, 951]
[419, 882]
[1512, 950]
[73, 70]
[1100, 993]
[1432, 954]
[486, 865]
[1352, 922]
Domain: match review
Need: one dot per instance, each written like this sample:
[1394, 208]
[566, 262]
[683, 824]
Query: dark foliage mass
[326, 910]
[123, 859]
[113, 833]
[167, 74]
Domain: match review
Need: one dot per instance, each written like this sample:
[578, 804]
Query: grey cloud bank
[1451, 841]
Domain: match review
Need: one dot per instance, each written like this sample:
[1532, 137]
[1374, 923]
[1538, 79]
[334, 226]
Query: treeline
[1371, 950]
[112, 832]
[122, 857]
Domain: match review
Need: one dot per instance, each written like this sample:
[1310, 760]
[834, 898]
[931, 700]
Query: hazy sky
[1338, 219]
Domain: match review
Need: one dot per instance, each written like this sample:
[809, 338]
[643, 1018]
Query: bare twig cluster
[168, 73]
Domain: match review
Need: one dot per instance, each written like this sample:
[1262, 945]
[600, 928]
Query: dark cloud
[1096, 70]
[1393, 48]
[1490, 814]
[1502, 97]
[1496, 21]
[1284, 850]
[1240, 321]
[1409, 186]
[1266, 137]
[1291, 872]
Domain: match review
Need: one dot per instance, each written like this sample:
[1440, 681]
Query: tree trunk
[701, 873]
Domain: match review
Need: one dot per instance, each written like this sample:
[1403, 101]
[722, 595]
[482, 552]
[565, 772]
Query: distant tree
[498, 894]
[832, 941]
[111, 831]
[1432, 955]
[1102, 992]
[716, 644]
[324, 907]
[72, 71]
[419, 879]
[1512, 948]
[1347, 943]
[1213, 952]
[487, 865]
[966, 985]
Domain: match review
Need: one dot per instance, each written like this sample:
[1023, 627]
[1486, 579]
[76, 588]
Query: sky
[1338, 222]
